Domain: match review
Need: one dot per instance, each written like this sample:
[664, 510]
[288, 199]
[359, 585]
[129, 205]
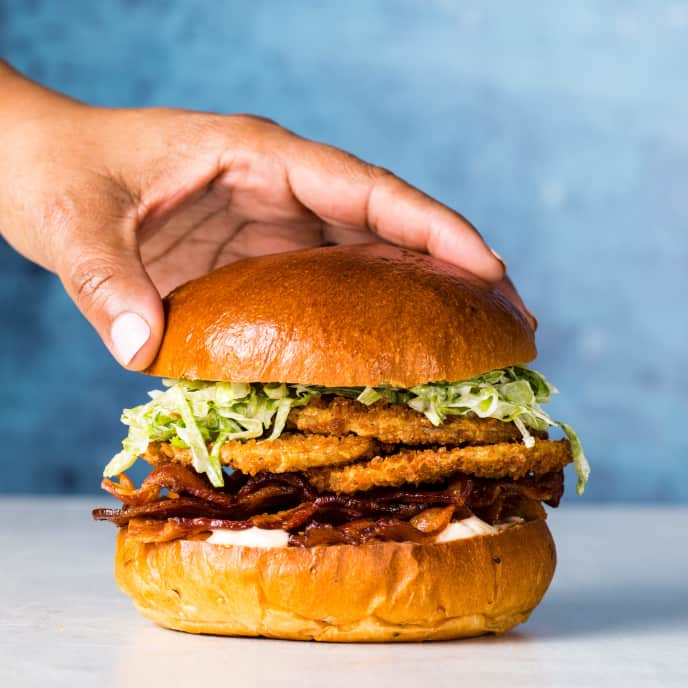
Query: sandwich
[348, 446]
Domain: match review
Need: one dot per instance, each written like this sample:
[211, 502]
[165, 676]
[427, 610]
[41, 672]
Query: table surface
[615, 615]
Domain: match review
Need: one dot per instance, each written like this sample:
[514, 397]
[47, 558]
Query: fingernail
[129, 333]
[498, 257]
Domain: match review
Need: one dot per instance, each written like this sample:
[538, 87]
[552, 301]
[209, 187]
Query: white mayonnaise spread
[260, 537]
[470, 527]
[251, 537]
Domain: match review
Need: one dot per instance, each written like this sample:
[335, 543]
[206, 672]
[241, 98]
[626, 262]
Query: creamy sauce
[251, 537]
[469, 527]
[472, 527]
[261, 537]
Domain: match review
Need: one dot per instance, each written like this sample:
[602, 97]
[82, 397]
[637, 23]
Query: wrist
[34, 122]
[26, 101]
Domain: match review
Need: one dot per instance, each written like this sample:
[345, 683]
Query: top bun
[341, 316]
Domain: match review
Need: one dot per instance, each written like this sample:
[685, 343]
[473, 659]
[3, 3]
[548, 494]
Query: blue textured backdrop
[560, 129]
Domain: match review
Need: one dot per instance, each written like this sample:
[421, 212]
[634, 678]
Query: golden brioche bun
[340, 316]
[363, 315]
[375, 592]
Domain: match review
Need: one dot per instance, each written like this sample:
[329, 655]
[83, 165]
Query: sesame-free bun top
[356, 315]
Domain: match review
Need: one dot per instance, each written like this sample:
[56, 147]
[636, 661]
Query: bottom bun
[386, 591]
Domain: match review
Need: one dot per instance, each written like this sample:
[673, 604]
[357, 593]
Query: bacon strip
[164, 508]
[352, 533]
[287, 501]
[181, 479]
[434, 520]
[479, 492]
[329, 508]
[156, 530]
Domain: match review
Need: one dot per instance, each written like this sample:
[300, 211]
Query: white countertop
[616, 615]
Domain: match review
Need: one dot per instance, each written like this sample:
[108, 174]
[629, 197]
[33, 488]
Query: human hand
[127, 204]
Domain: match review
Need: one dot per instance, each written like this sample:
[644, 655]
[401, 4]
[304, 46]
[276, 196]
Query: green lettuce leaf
[198, 414]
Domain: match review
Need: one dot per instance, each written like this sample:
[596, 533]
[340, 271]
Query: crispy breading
[397, 423]
[512, 460]
[289, 452]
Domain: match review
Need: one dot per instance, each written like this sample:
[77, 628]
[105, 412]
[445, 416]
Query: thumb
[106, 279]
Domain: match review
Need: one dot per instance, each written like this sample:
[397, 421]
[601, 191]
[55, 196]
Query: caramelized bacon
[287, 501]
[163, 508]
[433, 520]
[182, 480]
[335, 509]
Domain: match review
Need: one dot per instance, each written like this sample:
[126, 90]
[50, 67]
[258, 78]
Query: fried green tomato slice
[416, 466]
[289, 452]
[397, 424]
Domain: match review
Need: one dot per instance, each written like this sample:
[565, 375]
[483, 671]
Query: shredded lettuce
[195, 414]
[199, 415]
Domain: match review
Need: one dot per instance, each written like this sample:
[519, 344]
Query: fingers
[276, 176]
[345, 191]
[101, 270]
